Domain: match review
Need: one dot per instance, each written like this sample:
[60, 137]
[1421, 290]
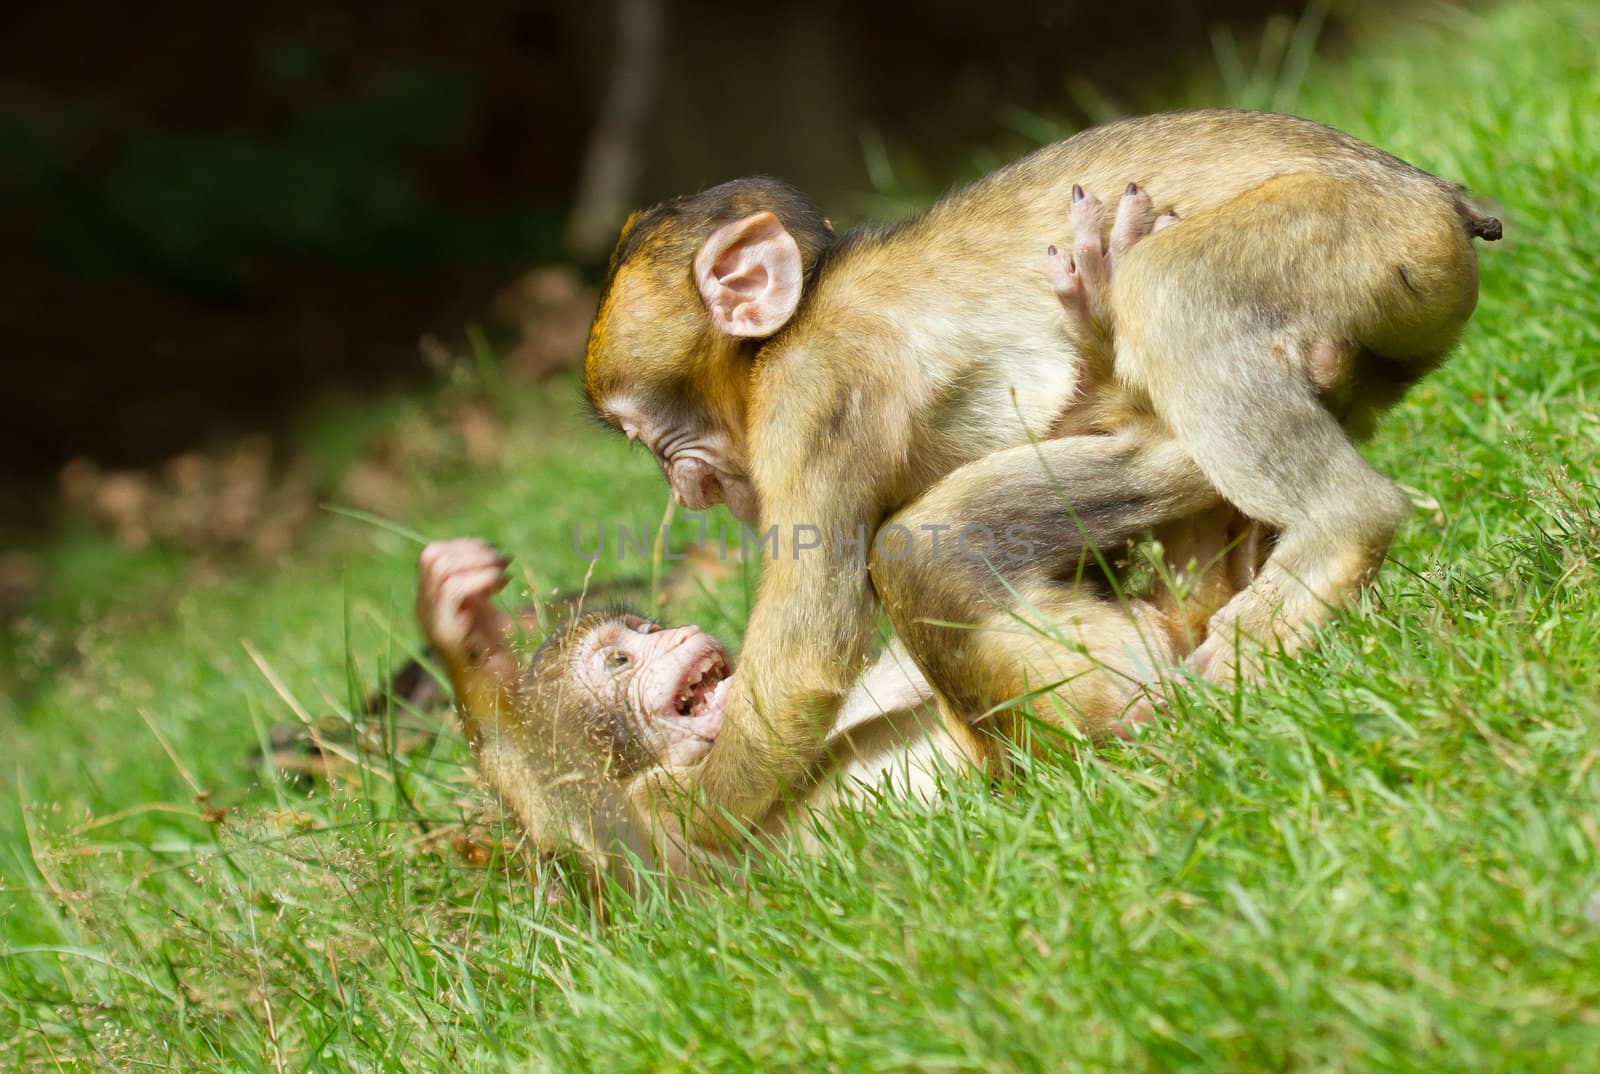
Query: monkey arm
[455, 583]
[471, 638]
[544, 771]
[813, 624]
[805, 645]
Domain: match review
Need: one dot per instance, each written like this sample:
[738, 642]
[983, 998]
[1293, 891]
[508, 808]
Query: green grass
[1385, 857]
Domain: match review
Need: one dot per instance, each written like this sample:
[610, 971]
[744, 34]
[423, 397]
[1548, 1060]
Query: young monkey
[610, 699]
[574, 743]
[916, 379]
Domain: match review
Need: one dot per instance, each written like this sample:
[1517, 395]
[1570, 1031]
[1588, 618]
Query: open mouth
[684, 723]
[701, 688]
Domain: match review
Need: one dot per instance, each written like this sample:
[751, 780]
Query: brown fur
[579, 780]
[924, 359]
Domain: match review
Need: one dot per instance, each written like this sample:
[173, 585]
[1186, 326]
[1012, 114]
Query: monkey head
[695, 287]
[644, 694]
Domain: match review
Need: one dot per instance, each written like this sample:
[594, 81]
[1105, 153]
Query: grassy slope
[1383, 858]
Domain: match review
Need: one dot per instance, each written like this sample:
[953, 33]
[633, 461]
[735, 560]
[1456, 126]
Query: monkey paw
[1230, 652]
[455, 581]
[1081, 273]
[1145, 708]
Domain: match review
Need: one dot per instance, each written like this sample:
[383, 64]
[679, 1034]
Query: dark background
[216, 212]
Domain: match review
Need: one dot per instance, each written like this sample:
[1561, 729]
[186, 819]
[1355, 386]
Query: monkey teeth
[696, 713]
[701, 683]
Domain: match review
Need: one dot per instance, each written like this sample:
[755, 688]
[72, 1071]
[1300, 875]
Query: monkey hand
[455, 581]
[1081, 272]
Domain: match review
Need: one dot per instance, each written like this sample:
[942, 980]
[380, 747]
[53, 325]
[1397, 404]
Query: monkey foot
[455, 581]
[1081, 273]
[1226, 656]
[1146, 707]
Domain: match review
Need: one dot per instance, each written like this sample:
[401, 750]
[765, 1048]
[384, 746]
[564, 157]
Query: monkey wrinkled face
[699, 461]
[667, 685]
[670, 350]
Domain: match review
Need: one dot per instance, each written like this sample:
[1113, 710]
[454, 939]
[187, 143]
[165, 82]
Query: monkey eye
[616, 659]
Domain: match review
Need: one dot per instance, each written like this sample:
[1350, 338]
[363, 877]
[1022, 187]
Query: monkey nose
[693, 498]
[695, 485]
[677, 635]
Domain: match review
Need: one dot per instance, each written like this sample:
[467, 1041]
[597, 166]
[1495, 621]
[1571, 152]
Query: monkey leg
[1238, 323]
[997, 580]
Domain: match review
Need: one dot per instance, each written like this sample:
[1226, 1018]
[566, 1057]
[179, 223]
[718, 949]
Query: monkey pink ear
[748, 273]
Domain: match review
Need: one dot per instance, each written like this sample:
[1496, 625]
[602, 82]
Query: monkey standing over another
[920, 377]
[612, 700]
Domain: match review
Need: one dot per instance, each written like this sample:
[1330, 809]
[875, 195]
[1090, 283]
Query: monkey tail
[1487, 228]
[412, 685]
[1480, 225]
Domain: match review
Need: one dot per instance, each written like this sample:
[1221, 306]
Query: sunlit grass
[1382, 858]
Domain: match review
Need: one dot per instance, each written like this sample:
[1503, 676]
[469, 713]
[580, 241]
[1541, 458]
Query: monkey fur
[926, 376]
[570, 741]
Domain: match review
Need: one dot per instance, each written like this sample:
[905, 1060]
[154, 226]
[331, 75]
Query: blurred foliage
[338, 178]
[217, 214]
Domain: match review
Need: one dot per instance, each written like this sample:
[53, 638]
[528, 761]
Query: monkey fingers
[1064, 278]
[1136, 218]
[1088, 252]
[1079, 273]
[455, 582]
[1082, 274]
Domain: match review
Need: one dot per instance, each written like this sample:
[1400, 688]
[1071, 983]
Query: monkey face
[695, 288]
[698, 459]
[667, 687]
[688, 426]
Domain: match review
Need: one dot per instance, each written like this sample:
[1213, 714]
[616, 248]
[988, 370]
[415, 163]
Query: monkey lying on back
[611, 698]
[917, 381]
